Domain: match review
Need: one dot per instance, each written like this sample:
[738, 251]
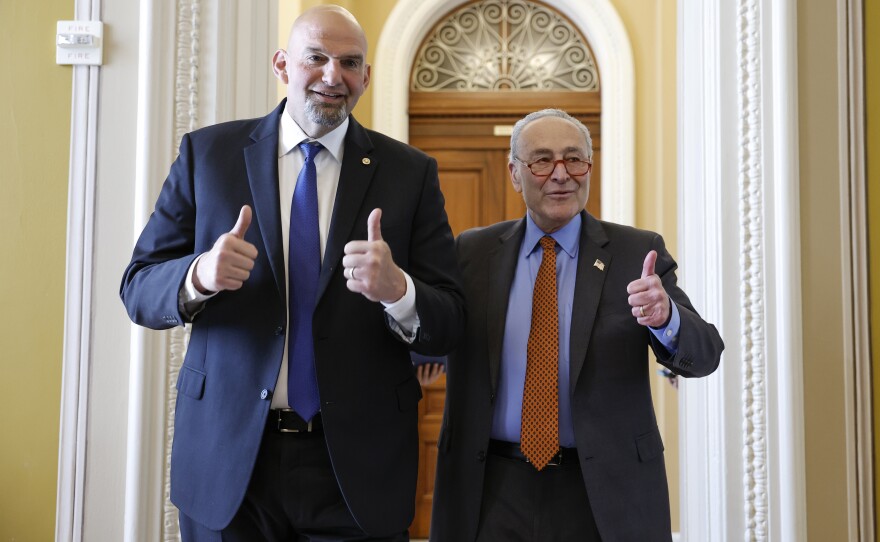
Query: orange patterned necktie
[540, 412]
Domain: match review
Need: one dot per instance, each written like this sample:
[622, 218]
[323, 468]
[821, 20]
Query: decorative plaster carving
[186, 87]
[752, 271]
[179, 339]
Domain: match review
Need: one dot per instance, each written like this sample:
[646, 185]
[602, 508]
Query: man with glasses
[549, 432]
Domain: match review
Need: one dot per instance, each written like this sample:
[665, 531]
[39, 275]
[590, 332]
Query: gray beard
[326, 115]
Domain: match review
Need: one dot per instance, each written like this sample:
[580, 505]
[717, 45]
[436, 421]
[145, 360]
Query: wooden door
[472, 155]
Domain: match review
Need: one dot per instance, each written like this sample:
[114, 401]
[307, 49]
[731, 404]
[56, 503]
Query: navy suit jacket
[368, 392]
[618, 441]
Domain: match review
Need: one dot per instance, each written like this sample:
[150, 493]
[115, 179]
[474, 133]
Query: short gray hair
[521, 123]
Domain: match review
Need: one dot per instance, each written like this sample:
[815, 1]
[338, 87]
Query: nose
[332, 73]
[559, 172]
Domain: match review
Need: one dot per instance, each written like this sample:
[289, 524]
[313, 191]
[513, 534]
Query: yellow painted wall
[35, 97]
[872, 136]
[651, 28]
[822, 281]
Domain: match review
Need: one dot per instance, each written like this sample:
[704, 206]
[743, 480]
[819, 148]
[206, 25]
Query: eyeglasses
[543, 167]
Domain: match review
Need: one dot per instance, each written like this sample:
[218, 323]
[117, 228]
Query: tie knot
[548, 243]
[310, 149]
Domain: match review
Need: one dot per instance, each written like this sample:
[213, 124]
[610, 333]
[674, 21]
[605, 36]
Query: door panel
[474, 185]
[430, 417]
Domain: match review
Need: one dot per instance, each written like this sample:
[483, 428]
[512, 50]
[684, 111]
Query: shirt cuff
[401, 315]
[190, 301]
[668, 334]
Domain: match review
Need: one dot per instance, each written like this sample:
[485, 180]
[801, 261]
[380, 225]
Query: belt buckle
[280, 429]
[555, 461]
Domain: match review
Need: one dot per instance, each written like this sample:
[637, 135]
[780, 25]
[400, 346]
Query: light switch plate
[80, 43]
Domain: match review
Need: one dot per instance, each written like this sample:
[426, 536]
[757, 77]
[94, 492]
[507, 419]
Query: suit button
[265, 394]
[279, 330]
[481, 456]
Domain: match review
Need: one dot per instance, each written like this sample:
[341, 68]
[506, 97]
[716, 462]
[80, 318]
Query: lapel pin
[365, 161]
[599, 265]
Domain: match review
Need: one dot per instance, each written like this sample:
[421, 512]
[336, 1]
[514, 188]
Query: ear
[279, 65]
[514, 177]
[367, 72]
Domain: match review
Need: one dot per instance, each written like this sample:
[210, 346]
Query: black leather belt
[510, 450]
[285, 420]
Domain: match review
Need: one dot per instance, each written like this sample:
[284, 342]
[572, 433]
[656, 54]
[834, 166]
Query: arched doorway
[480, 68]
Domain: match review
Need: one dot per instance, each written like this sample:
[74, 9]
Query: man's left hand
[647, 297]
[369, 266]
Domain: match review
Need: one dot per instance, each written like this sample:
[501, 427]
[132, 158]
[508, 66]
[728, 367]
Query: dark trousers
[521, 504]
[293, 496]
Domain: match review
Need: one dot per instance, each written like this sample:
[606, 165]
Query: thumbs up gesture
[369, 267]
[229, 262]
[647, 297]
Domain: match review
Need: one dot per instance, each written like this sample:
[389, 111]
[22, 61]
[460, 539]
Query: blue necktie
[303, 268]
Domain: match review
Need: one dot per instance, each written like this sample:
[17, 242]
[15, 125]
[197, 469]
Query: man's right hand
[229, 262]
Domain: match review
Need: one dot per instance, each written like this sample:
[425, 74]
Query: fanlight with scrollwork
[499, 45]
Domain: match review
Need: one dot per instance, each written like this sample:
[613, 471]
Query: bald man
[310, 256]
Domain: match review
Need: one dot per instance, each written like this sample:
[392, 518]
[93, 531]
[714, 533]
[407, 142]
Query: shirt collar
[290, 135]
[566, 237]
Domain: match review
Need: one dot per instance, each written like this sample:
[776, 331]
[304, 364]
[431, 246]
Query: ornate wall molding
[504, 45]
[186, 85]
[752, 285]
[407, 26]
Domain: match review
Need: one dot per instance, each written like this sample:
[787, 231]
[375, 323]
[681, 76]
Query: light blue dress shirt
[507, 417]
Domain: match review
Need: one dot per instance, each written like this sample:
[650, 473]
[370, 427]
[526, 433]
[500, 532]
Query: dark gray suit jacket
[369, 394]
[618, 441]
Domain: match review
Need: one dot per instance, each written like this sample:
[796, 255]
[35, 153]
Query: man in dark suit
[549, 432]
[310, 255]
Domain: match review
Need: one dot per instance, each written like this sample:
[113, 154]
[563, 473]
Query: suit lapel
[593, 265]
[500, 269]
[262, 167]
[358, 167]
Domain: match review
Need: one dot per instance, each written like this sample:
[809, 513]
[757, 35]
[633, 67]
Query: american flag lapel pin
[598, 264]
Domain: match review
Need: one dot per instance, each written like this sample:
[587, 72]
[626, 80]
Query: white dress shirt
[402, 316]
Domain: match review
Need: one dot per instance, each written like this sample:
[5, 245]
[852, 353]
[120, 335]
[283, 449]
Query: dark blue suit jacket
[368, 391]
[618, 441]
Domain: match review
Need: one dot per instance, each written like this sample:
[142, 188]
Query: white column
[742, 458]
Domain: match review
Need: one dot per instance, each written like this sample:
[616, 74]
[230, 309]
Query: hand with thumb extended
[648, 266]
[369, 265]
[647, 297]
[229, 262]
[243, 222]
[374, 226]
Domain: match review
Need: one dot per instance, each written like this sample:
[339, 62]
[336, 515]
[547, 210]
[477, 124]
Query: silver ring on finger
[352, 273]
